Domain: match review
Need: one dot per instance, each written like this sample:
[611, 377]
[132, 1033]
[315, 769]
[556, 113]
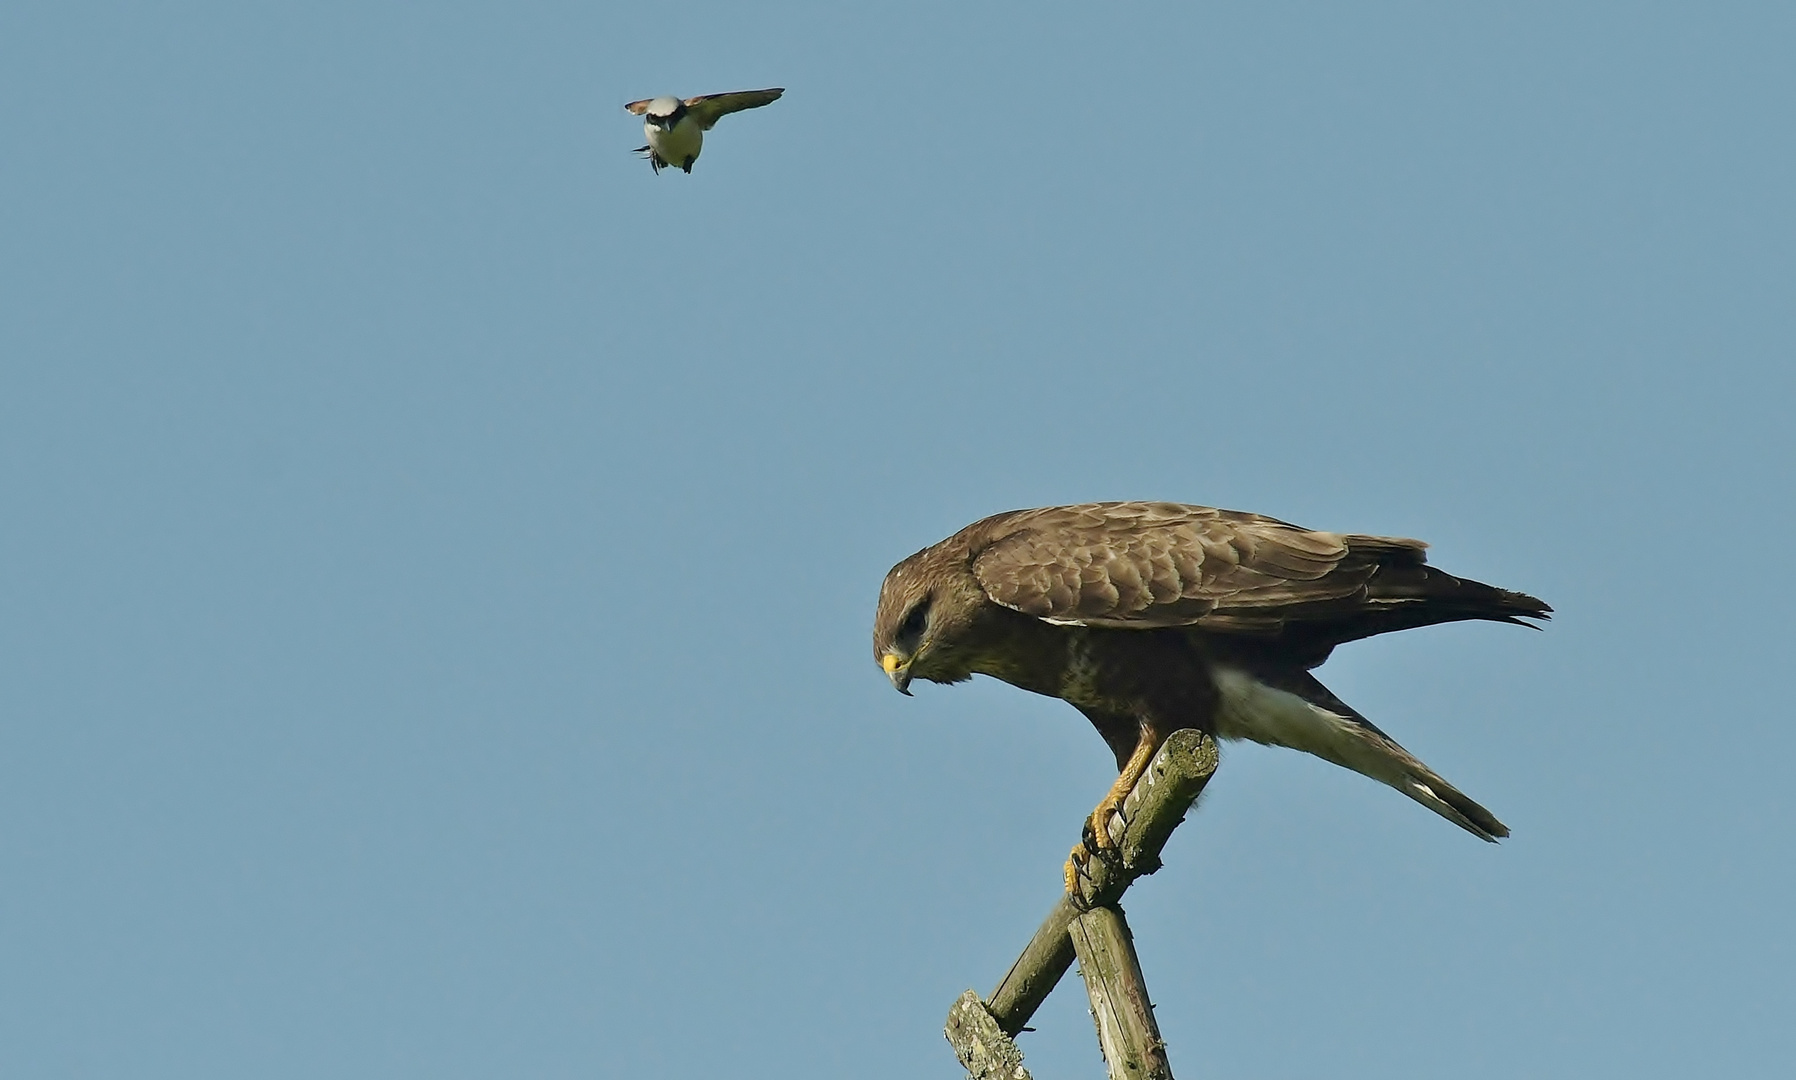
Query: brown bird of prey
[1149, 617]
[676, 129]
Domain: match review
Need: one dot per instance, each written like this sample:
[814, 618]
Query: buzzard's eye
[914, 621]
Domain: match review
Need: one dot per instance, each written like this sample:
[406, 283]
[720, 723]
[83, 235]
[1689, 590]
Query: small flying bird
[1149, 617]
[676, 129]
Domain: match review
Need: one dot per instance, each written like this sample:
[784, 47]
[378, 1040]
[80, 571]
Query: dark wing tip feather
[1520, 606]
[1513, 620]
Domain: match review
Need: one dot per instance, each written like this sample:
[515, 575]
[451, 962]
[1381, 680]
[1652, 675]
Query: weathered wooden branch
[1173, 781]
[1036, 972]
[1133, 1049]
[980, 1044]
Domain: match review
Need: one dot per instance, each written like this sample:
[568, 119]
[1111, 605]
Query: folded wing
[1167, 564]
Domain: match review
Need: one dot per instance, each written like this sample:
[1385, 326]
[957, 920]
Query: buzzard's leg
[1097, 839]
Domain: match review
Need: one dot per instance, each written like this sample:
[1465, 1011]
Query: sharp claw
[1097, 827]
[1077, 867]
[1095, 840]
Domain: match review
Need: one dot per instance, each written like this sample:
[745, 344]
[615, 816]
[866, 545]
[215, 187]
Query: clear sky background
[437, 556]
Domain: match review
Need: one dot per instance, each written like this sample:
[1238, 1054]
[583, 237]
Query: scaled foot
[1096, 842]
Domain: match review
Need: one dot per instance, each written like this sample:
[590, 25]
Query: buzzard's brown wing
[1166, 564]
[710, 107]
[637, 108]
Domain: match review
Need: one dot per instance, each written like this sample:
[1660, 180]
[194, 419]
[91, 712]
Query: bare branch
[982, 1046]
[1173, 781]
[1133, 1049]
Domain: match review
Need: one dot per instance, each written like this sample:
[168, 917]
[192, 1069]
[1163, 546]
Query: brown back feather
[1142, 565]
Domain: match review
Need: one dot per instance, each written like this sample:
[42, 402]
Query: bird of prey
[1151, 616]
[676, 129]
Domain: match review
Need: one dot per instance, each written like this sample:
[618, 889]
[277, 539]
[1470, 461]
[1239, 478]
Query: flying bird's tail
[1295, 710]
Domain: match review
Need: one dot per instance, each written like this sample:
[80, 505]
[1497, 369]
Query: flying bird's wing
[1166, 564]
[708, 108]
[637, 108]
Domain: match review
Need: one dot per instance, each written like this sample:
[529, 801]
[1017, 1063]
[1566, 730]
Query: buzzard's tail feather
[1295, 710]
[1425, 786]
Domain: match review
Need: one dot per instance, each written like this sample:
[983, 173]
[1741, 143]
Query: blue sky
[437, 555]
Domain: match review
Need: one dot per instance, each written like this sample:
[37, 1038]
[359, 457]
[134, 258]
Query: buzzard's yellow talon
[1079, 862]
[1096, 841]
[1098, 825]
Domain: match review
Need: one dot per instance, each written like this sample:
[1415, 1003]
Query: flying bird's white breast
[675, 146]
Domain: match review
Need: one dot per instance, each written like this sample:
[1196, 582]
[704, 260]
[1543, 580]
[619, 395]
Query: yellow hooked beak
[897, 670]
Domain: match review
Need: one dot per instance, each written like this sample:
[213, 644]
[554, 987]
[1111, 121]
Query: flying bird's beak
[898, 671]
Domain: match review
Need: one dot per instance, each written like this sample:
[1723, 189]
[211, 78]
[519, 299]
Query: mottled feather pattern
[1165, 564]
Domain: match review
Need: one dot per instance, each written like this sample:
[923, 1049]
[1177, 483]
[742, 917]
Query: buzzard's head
[922, 613]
